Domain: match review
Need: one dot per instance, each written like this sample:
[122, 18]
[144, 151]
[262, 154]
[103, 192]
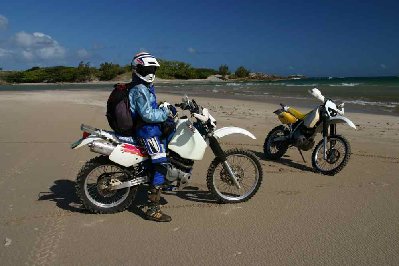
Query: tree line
[109, 71]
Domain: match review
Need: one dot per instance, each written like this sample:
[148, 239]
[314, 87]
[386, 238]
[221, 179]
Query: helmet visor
[146, 70]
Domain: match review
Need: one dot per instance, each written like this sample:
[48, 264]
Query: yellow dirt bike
[299, 130]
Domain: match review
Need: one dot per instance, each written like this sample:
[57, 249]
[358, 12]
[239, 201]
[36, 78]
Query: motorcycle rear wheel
[91, 187]
[338, 154]
[248, 171]
[275, 149]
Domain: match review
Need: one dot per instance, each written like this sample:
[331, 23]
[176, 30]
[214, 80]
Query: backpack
[118, 110]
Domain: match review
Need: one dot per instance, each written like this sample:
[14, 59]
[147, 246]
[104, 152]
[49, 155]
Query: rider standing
[149, 117]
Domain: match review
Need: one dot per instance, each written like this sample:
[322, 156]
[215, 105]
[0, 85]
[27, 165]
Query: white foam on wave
[234, 84]
[380, 104]
[302, 85]
[344, 84]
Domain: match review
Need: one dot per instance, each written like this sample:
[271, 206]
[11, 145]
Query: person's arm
[144, 109]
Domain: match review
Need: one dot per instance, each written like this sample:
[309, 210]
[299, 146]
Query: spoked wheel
[93, 186]
[246, 168]
[337, 155]
[275, 149]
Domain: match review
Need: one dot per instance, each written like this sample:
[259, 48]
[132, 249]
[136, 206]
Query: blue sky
[314, 38]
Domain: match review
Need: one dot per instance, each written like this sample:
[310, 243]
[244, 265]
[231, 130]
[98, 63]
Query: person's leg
[157, 152]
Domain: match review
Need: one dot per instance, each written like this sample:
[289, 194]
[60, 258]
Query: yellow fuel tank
[296, 113]
[286, 118]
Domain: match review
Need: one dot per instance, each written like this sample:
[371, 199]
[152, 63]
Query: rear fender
[225, 131]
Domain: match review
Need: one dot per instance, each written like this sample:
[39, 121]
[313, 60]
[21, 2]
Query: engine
[303, 139]
[180, 163]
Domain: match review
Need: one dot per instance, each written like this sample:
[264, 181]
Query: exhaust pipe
[101, 147]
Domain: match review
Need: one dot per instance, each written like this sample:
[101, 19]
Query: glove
[170, 109]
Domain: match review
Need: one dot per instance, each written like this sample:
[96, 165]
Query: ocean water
[374, 94]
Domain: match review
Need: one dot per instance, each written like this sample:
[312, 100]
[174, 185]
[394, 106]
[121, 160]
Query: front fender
[341, 119]
[225, 131]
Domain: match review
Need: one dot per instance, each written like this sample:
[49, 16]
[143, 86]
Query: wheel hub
[333, 156]
[237, 170]
[104, 185]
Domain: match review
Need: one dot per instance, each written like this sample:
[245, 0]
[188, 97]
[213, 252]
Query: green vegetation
[241, 72]
[224, 71]
[180, 70]
[109, 71]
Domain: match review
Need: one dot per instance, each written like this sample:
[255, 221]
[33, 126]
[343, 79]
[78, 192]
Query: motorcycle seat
[127, 139]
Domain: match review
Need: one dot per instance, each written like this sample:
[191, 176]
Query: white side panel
[187, 141]
[224, 131]
[312, 118]
[342, 119]
[127, 155]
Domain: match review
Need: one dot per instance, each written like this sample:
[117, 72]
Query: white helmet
[145, 66]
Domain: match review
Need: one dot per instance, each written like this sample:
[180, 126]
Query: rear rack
[89, 129]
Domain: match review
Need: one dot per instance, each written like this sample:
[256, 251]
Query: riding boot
[154, 210]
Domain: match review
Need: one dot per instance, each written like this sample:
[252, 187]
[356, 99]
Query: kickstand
[301, 155]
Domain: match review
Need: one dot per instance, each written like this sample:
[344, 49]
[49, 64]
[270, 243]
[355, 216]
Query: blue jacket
[143, 104]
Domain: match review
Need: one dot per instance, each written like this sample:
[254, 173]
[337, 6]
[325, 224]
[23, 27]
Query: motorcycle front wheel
[93, 182]
[246, 168]
[338, 152]
[275, 149]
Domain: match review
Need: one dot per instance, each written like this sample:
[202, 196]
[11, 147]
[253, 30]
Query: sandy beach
[297, 217]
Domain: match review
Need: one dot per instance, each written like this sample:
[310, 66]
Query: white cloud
[28, 55]
[3, 22]
[383, 66]
[191, 50]
[51, 52]
[5, 52]
[38, 45]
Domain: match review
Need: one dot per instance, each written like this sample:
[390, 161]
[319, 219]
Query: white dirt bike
[108, 183]
[331, 154]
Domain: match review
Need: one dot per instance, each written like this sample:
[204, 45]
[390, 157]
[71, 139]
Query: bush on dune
[107, 71]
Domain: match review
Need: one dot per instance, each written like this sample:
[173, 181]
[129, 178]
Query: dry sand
[296, 218]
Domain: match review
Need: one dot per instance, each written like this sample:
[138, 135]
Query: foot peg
[184, 180]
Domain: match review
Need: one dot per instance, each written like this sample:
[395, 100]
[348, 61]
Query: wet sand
[297, 217]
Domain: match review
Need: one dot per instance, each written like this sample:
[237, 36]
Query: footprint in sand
[288, 192]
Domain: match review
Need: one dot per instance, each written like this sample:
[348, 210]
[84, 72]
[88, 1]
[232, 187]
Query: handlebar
[190, 105]
[201, 114]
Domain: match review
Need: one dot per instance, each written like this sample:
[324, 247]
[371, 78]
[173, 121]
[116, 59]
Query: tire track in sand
[44, 251]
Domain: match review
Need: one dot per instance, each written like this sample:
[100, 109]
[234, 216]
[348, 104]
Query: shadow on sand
[285, 161]
[189, 193]
[63, 193]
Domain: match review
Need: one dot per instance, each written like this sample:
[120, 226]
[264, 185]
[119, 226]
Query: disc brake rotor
[237, 170]
[333, 156]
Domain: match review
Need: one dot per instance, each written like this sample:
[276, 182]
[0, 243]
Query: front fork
[219, 153]
[333, 130]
